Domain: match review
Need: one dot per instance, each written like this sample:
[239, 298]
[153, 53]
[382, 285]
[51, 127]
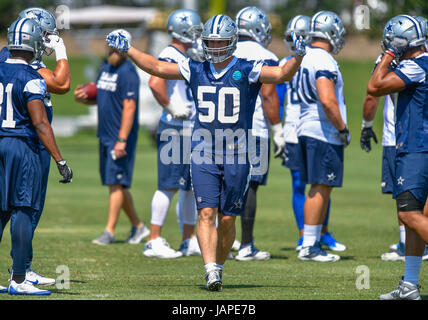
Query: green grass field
[361, 217]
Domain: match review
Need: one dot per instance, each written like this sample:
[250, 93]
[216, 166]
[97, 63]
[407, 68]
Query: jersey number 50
[9, 122]
[210, 105]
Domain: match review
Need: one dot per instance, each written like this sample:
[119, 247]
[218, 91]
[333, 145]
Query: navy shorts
[261, 148]
[117, 171]
[388, 169]
[20, 174]
[294, 157]
[222, 186]
[411, 174]
[173, 161]
[322, 162]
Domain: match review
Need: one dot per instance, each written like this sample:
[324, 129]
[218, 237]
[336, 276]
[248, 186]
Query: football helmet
[45, 19]
[254, 23]
[27, 35]
[327, 25]
[300, 25]
[184, 25]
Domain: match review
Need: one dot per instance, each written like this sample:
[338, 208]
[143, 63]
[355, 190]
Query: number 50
[210, 105]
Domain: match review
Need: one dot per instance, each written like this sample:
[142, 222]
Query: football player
[225, 89]
[301, 26]
[24, 126]
[322, 131]
[404, 41]
[58, 82]
[175, 97]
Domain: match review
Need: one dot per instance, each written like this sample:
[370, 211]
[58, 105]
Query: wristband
[60, 52]
[62, 162]
[276, 127]
[121, 140]
[367, 124]
[392, 54]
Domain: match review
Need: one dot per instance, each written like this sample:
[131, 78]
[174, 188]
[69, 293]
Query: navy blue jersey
[225, 100]
[19, 84]
[114, 84]
[411, 128]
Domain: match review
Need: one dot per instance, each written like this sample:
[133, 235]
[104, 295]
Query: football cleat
[26, 288]
[3, 289]
[249, 252]
[396, 255]
[404, 291]
[394, 246]
[328, 240]
[299, 244]
[190, 247]
[315, 253]
[236, 245]
[159, 248]
[214, 281]
[137, 234]
[104, 239]
[37, 279]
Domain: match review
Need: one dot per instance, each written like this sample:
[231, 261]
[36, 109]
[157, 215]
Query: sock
[219, 266]
[402, 234]
[249, 215]
[309, 235]
[412, 265]
[210, 266]
[160, 205]
[298, 198]
[327, 215]
[18, 279]
[318, 231]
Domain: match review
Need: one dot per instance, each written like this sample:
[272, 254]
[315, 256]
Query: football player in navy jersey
[24, 124]
[404, 40]
[58, 82]
[118, 87]
[225, 89]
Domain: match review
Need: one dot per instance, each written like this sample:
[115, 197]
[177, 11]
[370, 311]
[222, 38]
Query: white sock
[412, 265]
[160, 205]
[309, 235]
[319, 228]
[402, 234]
[210, 266]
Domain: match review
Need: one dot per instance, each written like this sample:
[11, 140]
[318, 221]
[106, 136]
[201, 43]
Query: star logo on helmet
[260, 16]
[336, 20]
[39, 16]
[184, 18]
[389, 27]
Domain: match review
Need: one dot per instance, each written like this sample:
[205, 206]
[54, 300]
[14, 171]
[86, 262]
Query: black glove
[345, 136]
[64, 171]
[366, 135]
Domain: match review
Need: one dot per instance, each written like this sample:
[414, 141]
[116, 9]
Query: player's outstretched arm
[280, 74]
[44, 130]
[383, 82]
[58, 80]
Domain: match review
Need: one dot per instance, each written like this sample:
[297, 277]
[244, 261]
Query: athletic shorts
[388, 169]
[294, 157]
[411, 174]
[222, 186]
[117, 171]
[322, 162]
[20, 174]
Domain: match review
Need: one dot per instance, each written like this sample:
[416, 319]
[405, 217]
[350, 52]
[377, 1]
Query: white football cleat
[3, 289]
[315, 253]
[159, 248]
[249, 252]
[26, 288]
[190, 247]
[37, 279]
[236, 245]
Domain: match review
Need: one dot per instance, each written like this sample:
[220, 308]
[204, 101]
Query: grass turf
[361, 217]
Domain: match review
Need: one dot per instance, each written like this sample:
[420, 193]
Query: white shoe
[137, 234]
[230, 256]
[3, 289]
[190, 247]
[315, 253]
[392, 256]
[26, 288]
[249, 252]
[236, 245]
[37, 279]
[159, 248]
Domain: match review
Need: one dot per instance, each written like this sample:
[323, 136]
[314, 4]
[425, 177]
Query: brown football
[90, 89]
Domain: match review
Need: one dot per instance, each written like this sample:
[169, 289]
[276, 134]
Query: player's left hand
[65, 171]
[299, 44]
[56, 43]
[119, 149]
[118, 41]
[278, 139]
[366, 135]
[345, 136]
[397, 46]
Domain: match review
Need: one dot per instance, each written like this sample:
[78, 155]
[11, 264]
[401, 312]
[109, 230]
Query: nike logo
[403, 206]
[33, 282]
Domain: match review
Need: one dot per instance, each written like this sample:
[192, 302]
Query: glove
[366, 134]
[118, 41]
[345, 136]
[64, 171]
[397, 47]
[56, 43]
[179, 112]
[278, 139]
[299, 44]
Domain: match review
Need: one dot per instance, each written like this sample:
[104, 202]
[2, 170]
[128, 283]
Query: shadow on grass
[64, 292]
[275, 257]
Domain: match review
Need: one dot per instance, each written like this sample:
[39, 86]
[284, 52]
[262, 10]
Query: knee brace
[407, 202]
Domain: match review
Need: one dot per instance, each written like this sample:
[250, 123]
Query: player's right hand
[179, 112]
[80, 95]
[366, 135]
[397, 46]
[345, 136]
[65, 171]
[118, 41]
[299, 44]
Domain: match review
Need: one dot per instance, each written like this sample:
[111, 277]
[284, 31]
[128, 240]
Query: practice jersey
[36, 65]
[114, 84]
[388, 136]
[19, 84]
[318, 63]
[225, 101]
[252, 50]
[292, 109]
[411, 127]
[178, 91]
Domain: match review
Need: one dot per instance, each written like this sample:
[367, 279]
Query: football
[90, 89]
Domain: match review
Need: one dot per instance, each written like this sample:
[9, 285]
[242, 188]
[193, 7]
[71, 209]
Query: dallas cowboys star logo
[336, 20]
[331, 176]
[182, 181]
[184, 18]
[389, 27]
[400, 180]
[39, 16]
[238, 204]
